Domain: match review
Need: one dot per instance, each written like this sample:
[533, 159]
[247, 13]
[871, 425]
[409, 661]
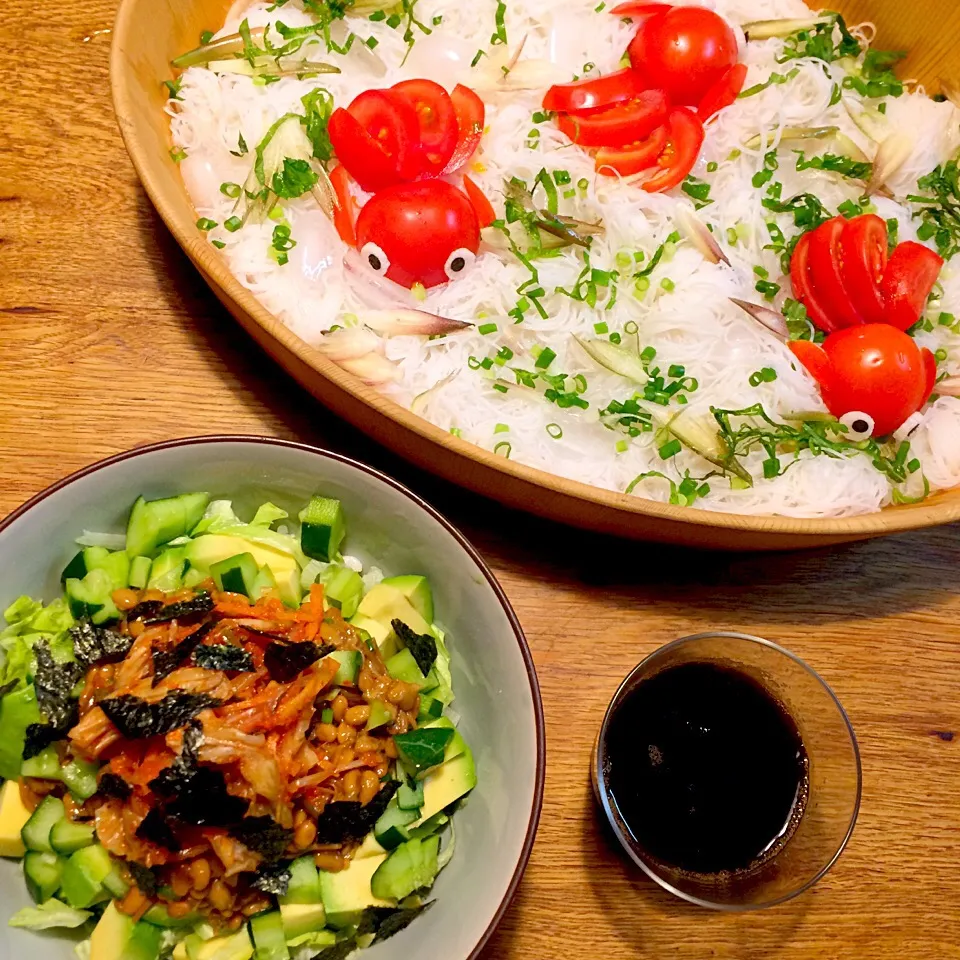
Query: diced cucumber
[304, 886]
[153, 523]
[410, 867]
[350, 663]
[303, 918]
[83, 876]
[237, 574]
[410, 795]
[36, 831]
[139, 572]
[344, 590]
[80, 776]
[427, 828]
[430, 709]
[115, 885]
[269, 940]
[265, 583]
[167, 570]
[193, 576]
[91, 597]
[17, 711]
[390, 829]
[402, 666]
[42, 872]
[322, 528]
[116, 565]
[160, 917]
[76, 569]
[45, 765]
[144, 943]
[67, 837]
[380, 714]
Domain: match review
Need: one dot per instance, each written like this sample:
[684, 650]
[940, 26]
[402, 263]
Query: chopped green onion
[647, 355]
[205, 223]
[676, 370]
[500, 387]
[732, 236]
[377, 16]
[438, 19]
[486, 328]
[555, 430]
[501, 428]
[583, 183]
[371, 42]
[545, 358]
[600, 327]
[231, 190]
[940, 355]
[503, 448]
[233, 224]
[205, 37]
[614, 337]
[476, 58]
[473, 363]
[486, 363]
[667, 284]
[219, 244]
[622, 446]
[713, 166]
[456, 431]
[177, 155]
[560, 177]
[670, 449]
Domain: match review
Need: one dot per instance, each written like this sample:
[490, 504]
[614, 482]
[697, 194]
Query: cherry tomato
[724, 92]
[437, 122]
[863, 250]
[622, 123]
[871, 368]
[684, 139]
[803, 288]
[344, 214]
[481, 205]
[827, 276]
[470, 116]
[585, 96]
[686, 50]
[425, 232]
[638, 9]
[634, 157]
[907, 281]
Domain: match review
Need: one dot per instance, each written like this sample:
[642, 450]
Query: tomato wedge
[684, 139]
[632, 158]
[815, 360]
[483, 207]
[863, 250]
[826, 274]
[588, 95]
[436, 120]
[469, 111]
[724, 92]
[622, 123]
[803, 288]
[344, 214]
[637, 9]
[907, 281]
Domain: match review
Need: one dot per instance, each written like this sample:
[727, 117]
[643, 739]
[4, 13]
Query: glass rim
[605, 799]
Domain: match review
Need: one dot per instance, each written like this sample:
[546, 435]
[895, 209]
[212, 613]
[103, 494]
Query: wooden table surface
[109, 339]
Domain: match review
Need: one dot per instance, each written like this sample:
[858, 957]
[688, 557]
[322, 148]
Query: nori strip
[144, 878]
[272, 878]
[155, 828]
[386, 921]
[144, 609]
[94, 645]
[39, 736]
[136, 719]
[184, 611]
[285, 661]
[54, 683]
[223, 656]
[421, 645]
[346, 820]
[263, 835]
[166, 661]
[113, 785]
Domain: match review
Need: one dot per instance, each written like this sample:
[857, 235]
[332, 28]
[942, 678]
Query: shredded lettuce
[312, 572]
[112, 541]
[446, 854]
[27, 622]
[268, 513]
[82, 949]
[51, 913]
[219, 513]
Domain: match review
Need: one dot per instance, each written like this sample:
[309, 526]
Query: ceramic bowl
[497, 693]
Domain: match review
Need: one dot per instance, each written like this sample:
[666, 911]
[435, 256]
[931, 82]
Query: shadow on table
[815, 585]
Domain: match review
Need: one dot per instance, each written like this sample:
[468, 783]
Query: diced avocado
[67, 836]
[447, 783]
[91, 597]
[390, 829]
[80, 777]
[417, 590]
[13, 818]
[155, 522]
[111, 935]
[180, 949]
[17, 711]
[347, 893]
[344, 589]
[386, 603]
[45, 765]
[144, 943]
[42, 873]
[167, 570]
[139, 572]
[301, 918]
[269, 939]
[236, 574]
[369, 848]
[36, 831]
[193, 576]
[322, 527]
[350, 663]
[116, 565]
[211, 548]
[83, 876]
[410, 796]
[304, 886]
[382, 634]
[411, 866]
[237, 946]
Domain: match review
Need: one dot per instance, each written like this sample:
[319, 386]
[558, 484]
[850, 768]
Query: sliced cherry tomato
[930, 368]
[687, 50]
[425, 232]
[684, 139]
[638, 9]
[634, 157]
[622, 123]
[437, 121]
[470, 117]
[803, 288]
[826, 275]
[907, 281]
[585, 96]
[481, 205]
[344, 214]
[863, 251]
[813, 357]
[724, 92]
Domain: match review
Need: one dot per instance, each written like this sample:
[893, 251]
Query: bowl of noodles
[708, 302]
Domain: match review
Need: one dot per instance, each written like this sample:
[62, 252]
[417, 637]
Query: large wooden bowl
[149, 33]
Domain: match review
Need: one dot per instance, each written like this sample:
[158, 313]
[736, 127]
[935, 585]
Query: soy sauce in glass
[707, 769]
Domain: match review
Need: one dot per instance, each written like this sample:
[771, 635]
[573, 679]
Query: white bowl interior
[386, 526]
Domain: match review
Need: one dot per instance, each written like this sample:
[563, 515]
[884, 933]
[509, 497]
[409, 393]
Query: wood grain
[109, 338]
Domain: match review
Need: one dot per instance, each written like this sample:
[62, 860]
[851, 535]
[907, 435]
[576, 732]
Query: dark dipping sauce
[707, 769]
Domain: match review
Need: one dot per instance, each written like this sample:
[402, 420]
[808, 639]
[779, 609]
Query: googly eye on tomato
[859, 425]
[458, 261]
[374, 257]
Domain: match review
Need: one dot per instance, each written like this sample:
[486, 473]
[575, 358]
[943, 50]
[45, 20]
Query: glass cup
[834, 774]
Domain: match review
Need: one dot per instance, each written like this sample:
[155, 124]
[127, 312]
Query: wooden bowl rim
[943, 507]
